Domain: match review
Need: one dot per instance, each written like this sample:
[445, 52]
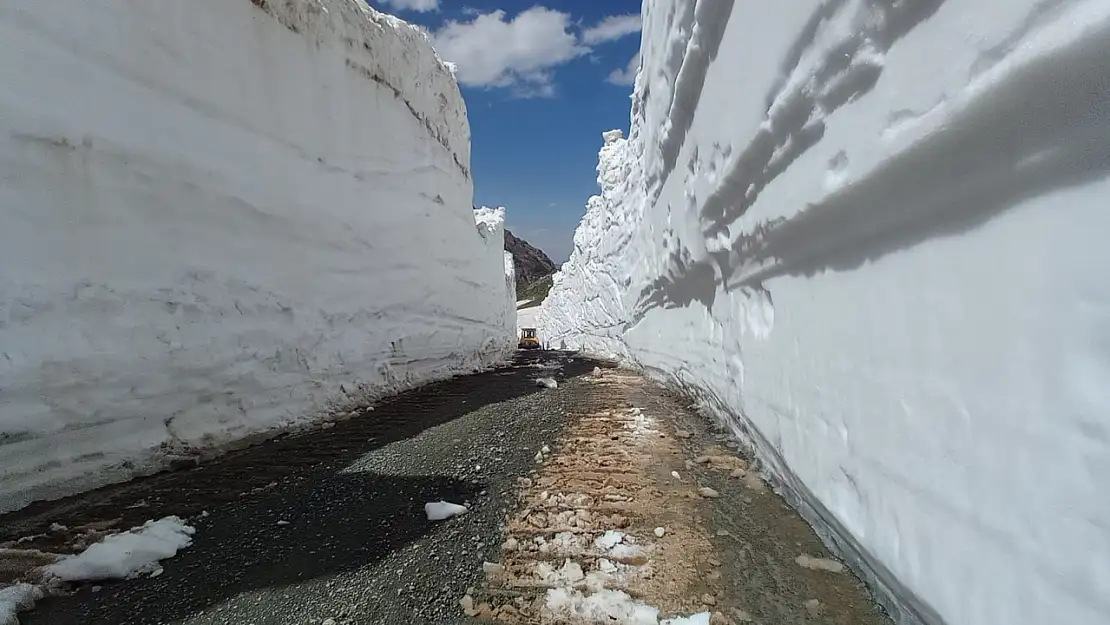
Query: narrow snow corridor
[831, 344]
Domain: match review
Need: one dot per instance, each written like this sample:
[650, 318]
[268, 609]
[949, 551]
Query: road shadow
[339, 523]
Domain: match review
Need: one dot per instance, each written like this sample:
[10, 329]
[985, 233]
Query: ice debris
[15, 598]
[441, 510]
[610, 606]
[609, 539]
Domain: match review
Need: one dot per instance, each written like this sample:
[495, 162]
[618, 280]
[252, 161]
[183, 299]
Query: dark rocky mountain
[530, 262]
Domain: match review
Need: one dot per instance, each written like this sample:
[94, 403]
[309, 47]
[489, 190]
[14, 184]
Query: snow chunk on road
[547, 382]
[570, 573]
[441, 510]
[609, 539]
[611, 606]
[617, 545]
[606, 606]
[126, 555]
[16, 598]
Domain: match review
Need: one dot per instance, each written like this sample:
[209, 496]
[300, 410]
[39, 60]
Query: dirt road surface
[606, 487]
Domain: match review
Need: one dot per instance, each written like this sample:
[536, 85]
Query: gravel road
[327, 527]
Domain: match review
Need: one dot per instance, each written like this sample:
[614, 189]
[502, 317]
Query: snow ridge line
[805, 95]
[710, 20]
[795, 118]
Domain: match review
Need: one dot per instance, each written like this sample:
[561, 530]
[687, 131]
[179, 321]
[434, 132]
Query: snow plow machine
[528, 339]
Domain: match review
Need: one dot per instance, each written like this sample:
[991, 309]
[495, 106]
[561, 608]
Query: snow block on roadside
[221, 225]
[870, 238]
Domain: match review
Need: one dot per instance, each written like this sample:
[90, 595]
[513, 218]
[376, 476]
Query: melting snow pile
[870, 237]
[582, 597]
[120, 556]
[127, 555]
[603, 606]
[617, 544]
[259, 210]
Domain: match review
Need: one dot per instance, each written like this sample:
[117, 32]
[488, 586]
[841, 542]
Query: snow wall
[871, 237]
[221, 218]
[510, 285]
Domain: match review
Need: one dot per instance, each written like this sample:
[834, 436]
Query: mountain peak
[530, 262]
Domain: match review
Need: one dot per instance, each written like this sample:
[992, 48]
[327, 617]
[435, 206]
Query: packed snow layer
[219, 217]
[510, 286]
[871, 236]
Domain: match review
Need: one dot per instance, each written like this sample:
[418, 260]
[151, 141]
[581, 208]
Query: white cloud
[611, 28]
[626, 76]
[414, 5]
[518, 53]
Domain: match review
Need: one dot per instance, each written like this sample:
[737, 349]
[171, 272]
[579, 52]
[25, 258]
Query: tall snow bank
[510, 286]
[214, 214]
[870, 236]
[491, 227]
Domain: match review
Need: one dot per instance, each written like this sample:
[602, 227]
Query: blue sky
[542, 81]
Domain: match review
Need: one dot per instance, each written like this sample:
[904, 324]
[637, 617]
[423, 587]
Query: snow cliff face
[510, 287]
[221, 217]
[870, 237]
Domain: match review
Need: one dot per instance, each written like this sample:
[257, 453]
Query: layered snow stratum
[870, 236]
[219, 218]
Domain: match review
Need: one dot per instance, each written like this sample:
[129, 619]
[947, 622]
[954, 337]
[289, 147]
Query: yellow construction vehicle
[528, 339]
